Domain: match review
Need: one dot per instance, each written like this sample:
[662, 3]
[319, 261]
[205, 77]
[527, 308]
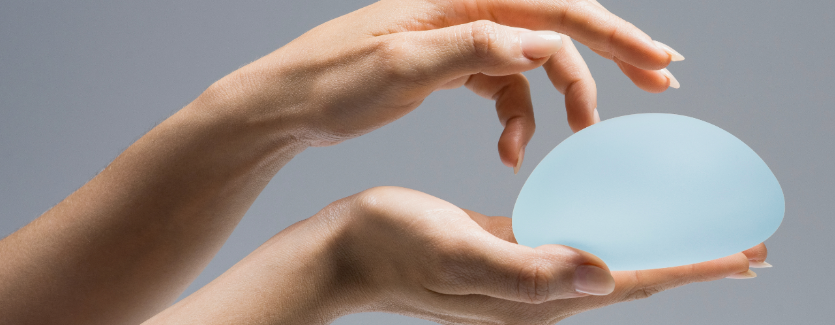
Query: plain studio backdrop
[82, 80]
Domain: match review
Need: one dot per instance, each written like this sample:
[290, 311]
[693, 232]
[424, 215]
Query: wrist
[300, 276]
[237, 119]
[263, 98]
[324, 264]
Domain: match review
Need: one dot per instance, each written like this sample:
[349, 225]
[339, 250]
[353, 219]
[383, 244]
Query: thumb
[493, 267]
[477, 47]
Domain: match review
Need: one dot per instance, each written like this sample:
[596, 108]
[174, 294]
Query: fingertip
[759, 265]
[756, 256]
[657, 57]
[509, 150]
[737, 264]
[652, 81]
[580, 104]
[578, 124]
[638, 49]
[508, 162]
[742, 275]
[515, 137]
[674, 55]
[591, 275]
[519, 160]
[672, 82]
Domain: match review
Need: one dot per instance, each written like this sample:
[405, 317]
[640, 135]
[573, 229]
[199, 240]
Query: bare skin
[127, 243]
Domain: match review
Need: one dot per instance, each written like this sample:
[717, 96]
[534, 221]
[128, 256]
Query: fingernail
[596, 116]
[593, 280]
[759, 265]
[744, 275]
[674, 55]
[540, 44]
[519, 161]
[673, 82]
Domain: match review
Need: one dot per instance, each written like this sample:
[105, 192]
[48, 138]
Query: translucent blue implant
[650, 191]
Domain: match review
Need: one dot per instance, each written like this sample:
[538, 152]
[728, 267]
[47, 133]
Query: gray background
[81, 80]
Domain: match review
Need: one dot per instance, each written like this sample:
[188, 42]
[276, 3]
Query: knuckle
[641, 293]
[484, 38]
[372, 200]
[393, 58]
[640, 289]
[540, 281]
[610, 39]
[534, 283]
[571, 7]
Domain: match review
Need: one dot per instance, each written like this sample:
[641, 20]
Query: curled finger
[570, 75]
[514, 109]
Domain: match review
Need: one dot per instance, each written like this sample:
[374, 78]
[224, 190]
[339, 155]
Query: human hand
[401, 251]
[363, 70]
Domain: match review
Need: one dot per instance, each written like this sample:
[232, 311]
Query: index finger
[584, 20]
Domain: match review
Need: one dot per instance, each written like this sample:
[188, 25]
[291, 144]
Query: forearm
[127, 243]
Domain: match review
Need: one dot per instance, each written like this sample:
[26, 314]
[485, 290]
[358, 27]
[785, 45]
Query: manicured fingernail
[596, 116]
[744, 275]
[674, 55]
[519, 161]
[673, 82]
[540, 44]
[759, 265]
[593, 280]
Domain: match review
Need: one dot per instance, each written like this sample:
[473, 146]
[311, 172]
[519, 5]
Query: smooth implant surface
[650, 191]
